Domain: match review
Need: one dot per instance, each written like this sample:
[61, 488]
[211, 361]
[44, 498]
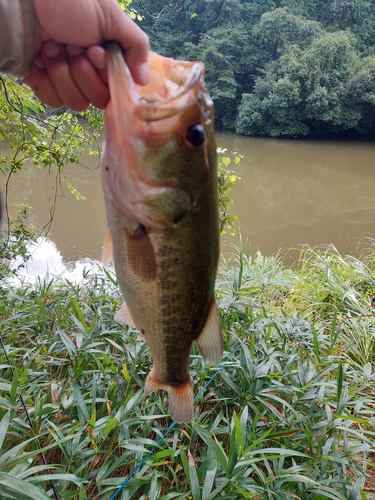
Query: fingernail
[51, 49]
[142, 73]
[74, 50]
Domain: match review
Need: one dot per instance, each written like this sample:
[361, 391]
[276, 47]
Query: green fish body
[160, 187]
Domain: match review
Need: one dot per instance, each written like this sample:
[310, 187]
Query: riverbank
[289, 412]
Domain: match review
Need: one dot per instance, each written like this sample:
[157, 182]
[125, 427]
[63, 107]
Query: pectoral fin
[181, 397]
[124, 316]
[210, 341]
[141, 254]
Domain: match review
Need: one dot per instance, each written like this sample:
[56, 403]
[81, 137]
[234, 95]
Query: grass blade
[4, 424]
[11, 487]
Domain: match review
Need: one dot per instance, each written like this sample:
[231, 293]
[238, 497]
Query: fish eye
[195, 135]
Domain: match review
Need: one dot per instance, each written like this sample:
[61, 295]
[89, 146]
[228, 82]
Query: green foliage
[19, 235]
[220, 49]
[279, 28]
[127, 6]
[226, 181]
[33, 132]
[289, 414]
[310, 90]
[285, 68]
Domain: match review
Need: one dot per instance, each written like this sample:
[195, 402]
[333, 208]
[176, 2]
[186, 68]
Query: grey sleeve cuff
[17, 35]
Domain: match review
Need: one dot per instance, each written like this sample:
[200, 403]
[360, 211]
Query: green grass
[290, 414]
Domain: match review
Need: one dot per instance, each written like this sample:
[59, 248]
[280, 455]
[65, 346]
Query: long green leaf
[11, 487]
[81, 404]
[209, 481]
[215, 447]
[4, 424]
[339, 384]
[194, 482]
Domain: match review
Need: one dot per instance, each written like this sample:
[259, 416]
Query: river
[291, 192]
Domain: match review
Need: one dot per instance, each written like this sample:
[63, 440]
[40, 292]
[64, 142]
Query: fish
[159, 179]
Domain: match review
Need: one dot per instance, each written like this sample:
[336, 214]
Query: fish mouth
[175, 96]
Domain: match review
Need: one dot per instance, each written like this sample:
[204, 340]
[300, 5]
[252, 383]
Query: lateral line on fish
[172, 426]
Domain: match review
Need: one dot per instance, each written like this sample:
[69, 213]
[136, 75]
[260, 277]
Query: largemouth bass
[160, 188]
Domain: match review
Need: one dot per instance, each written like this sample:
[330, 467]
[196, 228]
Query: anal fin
[124, 316]
[181, 397]
[210, 340]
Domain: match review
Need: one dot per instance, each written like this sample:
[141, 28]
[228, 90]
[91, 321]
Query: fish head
[159, 150]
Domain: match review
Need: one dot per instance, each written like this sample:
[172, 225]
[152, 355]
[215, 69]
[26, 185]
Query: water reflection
[76, 227]
[46, 263]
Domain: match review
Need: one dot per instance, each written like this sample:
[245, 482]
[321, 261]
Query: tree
[244, 43]
[221, 51]
[279, 28]
[309, 87]
[362, 91]
[37, 133]
[272, 109]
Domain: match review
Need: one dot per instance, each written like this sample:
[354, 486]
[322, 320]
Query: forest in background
[288, 68]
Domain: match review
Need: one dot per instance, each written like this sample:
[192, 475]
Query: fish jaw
[123, 176]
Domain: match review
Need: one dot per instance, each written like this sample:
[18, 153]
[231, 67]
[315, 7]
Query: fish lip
[194, 77]
[192, 90]
[165, 119]
[174, 88]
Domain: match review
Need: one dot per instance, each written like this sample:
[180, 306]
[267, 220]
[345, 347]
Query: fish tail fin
[181, 397]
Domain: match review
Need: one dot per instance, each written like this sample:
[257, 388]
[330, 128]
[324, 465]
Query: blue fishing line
[137, 468]
[142, 462]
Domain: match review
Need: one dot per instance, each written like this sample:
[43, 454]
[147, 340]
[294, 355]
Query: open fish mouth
[176, 94]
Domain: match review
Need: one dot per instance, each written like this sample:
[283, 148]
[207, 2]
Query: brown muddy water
[291, 192]
[296, 191]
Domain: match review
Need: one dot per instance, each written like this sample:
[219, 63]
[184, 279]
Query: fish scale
[160, 193]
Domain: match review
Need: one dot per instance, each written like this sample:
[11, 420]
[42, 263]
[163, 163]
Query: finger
[133, 40]
[59, 73]
[40, 82]
[86, 77]
[136, 52]
[96, 55]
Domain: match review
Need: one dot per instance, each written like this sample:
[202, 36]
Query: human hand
[69, 66]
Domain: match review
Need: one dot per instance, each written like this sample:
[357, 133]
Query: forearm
[17, 36]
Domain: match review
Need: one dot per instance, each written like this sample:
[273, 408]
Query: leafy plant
[226, 181]
[289, 414]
